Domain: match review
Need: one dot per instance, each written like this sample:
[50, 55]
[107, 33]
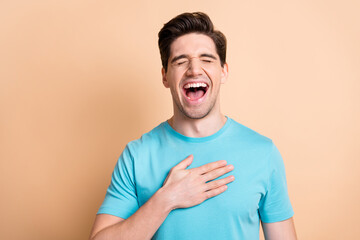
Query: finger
[217, 172]
[209, 166]
[184, 163]
[215, 192]
[219, 183]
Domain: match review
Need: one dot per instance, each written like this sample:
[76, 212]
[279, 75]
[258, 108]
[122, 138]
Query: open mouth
[195, 91]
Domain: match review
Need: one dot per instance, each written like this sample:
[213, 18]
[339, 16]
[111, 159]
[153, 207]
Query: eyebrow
[187, 56]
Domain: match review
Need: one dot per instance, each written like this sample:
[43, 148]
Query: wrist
[165, 198]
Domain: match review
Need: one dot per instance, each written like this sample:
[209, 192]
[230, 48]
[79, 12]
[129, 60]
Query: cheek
[213, 71]
[174, 80]
[214, 75]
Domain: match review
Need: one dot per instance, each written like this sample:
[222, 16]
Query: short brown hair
[196, 22]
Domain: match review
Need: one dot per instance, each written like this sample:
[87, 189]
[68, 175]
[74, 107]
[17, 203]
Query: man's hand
[190, 187]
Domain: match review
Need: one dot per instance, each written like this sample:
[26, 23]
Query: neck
[197, 127]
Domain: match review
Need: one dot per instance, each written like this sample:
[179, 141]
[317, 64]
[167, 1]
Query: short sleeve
[121, 199]
[275, 205]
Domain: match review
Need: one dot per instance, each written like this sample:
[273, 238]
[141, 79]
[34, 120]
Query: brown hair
[196, 22]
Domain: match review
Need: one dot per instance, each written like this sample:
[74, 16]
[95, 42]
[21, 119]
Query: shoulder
[251, 138]
[149, 140]
[262, 145]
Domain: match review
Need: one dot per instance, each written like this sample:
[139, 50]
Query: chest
[240, 199]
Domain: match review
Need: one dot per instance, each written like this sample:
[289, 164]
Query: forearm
[143, 223]
[284, 230]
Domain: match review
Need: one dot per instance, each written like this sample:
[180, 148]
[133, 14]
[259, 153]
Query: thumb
[185, 163]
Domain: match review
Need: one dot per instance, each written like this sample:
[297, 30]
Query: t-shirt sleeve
[275, 205]
[121, 198]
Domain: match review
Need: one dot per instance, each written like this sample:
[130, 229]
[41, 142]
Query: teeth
[195, 85]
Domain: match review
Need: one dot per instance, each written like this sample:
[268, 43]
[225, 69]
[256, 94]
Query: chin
[195, 114]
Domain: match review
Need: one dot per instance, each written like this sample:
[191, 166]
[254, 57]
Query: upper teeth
[195, 85]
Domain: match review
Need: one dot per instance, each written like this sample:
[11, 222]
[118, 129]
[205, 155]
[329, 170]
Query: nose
[194, 68]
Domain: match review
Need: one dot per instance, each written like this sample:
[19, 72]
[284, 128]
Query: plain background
[80, 79]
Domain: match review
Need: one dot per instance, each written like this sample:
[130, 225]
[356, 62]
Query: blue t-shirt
[259, 191]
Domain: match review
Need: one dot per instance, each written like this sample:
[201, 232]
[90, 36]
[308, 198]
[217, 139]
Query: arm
[182, 188]
[141, 225]
[284, 230]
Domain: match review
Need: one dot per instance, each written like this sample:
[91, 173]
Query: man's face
[194, 75]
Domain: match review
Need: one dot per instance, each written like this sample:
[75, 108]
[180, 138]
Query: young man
[199, 175]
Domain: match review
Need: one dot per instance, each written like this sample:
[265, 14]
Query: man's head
[185, 23]
[194, 66]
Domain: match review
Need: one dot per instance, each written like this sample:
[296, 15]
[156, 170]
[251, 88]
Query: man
[199, 175]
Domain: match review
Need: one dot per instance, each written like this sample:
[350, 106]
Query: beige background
[79, 79]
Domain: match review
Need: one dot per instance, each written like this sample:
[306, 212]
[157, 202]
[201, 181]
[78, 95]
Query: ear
[224, 73]
[164, 80]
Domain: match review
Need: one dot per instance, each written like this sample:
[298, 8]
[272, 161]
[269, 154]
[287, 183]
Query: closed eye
[207, 60]
[181, 62]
